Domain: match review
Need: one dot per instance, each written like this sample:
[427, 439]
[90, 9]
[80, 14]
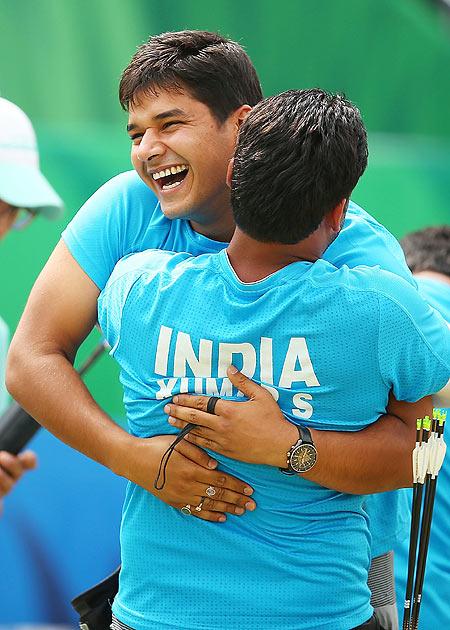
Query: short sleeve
[364, 241]
[414, 345]
[135, 271]
[111, 224]
[112, 299]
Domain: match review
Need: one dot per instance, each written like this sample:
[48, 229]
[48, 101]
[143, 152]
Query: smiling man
[187, 94]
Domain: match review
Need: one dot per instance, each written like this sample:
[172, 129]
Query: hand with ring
[253, 431]
[192, 479]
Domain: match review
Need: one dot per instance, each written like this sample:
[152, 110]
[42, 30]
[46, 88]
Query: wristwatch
[302, 455]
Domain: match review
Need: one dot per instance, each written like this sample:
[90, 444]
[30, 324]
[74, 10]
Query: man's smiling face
[181, 151]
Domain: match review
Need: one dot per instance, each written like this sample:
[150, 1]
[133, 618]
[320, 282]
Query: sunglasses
[24, 217]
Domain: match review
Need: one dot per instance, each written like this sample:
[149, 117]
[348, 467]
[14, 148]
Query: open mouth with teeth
[171, 177]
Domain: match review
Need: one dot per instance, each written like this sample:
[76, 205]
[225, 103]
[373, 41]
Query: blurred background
[60, 60]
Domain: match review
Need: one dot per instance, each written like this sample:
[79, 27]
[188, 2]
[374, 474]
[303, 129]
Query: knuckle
[200, 403]
[208, 504]
[219, 493]
[192, 416]
[240, 378]
[220, 480]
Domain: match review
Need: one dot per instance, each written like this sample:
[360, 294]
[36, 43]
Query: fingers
[228, 501]
[28, 460]
[198, 403]
[215, 509]
[196, 455]
[6, 483]
[249, 388]
[185, 415]
[10, 471]
[11, 464]
[245, 385]
[204, 442]
[221, 481]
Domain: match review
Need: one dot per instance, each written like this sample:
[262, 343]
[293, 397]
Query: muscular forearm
[375, 459]
[47, 386]
[60, 313]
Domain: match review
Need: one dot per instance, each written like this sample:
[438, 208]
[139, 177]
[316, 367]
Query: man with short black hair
[427, 253]
[273, 307]
[24, 193]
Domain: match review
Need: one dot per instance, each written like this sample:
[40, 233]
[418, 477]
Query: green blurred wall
[60, 60]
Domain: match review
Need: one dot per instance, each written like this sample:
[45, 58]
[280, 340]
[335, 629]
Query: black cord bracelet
[165, 458]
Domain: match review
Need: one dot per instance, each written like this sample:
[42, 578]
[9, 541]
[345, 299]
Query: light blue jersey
[124, 217]
[435, 609]
[330, 344]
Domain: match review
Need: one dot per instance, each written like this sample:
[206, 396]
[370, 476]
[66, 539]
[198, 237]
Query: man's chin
[174, 211]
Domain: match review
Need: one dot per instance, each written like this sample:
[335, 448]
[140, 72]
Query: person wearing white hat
[24, 193]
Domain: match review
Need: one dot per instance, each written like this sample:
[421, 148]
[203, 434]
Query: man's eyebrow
[170, 113]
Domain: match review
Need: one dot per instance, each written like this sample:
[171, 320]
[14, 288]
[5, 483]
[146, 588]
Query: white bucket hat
[21, 181]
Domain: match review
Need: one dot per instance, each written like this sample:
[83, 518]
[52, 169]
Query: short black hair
[428, 249]
[215, 70]
[298, 155]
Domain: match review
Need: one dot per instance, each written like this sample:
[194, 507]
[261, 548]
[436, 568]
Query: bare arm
[376, 459]
[61, 311]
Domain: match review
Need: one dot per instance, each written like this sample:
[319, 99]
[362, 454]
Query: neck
[434, 275]
[218, 222]
[253, 260]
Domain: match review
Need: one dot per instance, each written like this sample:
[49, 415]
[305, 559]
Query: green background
[60, 60]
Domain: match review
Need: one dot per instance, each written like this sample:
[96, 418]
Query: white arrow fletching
[422, 462]
[438, 456]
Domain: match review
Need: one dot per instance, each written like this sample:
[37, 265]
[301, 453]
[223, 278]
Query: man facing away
[24, 193]
[428, 256]
[187, 94]
[333, 341]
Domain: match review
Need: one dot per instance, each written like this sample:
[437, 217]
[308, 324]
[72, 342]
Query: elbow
[15, 371]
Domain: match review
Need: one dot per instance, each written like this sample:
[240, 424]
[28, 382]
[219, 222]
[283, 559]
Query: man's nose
[150, 147]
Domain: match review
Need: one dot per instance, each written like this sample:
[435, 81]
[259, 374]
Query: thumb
[248, 387]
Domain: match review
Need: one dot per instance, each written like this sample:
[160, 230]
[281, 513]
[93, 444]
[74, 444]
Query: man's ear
[335, 217]
[230, 172]
[241, 114]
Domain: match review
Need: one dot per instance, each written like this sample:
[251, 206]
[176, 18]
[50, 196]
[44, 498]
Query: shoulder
[365, 241]
[144, 265]
[366, 279]
[124, 191]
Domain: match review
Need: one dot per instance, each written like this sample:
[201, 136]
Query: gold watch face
[303, 458]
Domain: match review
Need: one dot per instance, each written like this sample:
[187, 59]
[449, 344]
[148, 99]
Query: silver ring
[186, 509]
[210, 491]
[199, 506]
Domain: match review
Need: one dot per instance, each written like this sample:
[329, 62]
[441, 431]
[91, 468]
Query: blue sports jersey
[124, 216]
[434, 611]
[331, 343]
